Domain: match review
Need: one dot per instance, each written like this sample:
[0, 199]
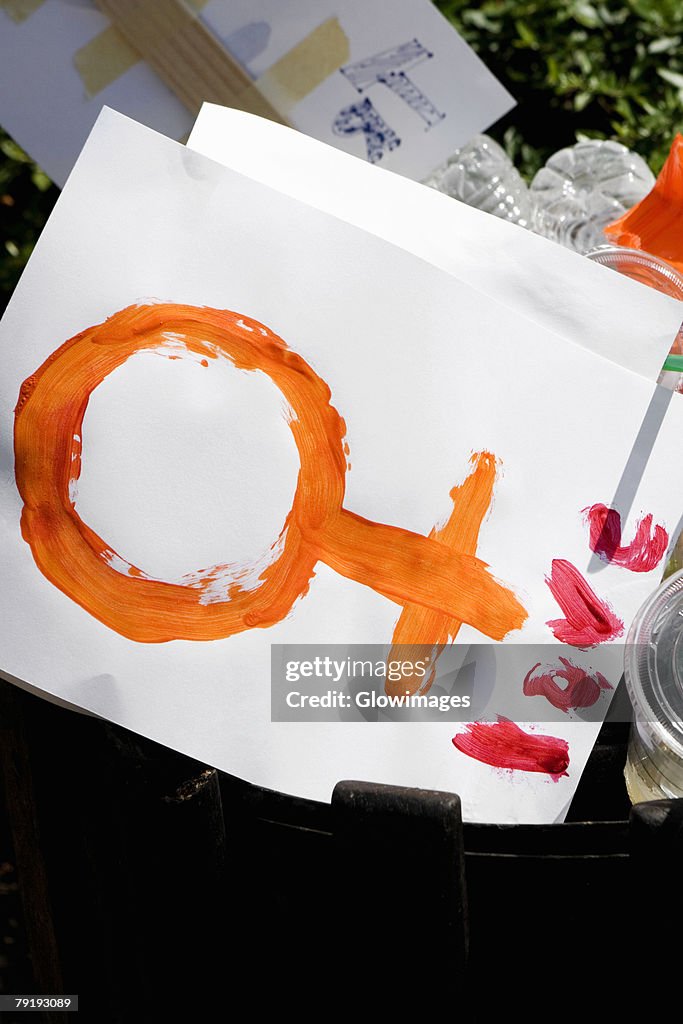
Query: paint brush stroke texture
[645, 551]
[418, 625]
[213, 603]
[581, 689]
[588, 621]
[503, 744]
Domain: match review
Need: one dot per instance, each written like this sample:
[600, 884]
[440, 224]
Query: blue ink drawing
[362, 117]
[389, 68]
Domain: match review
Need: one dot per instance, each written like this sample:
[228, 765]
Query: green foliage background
[26, 198]
[611, 69]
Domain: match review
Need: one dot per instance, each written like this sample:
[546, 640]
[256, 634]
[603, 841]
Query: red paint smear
[582, 689]
[588, 620]
[645, 551]
[504, 745]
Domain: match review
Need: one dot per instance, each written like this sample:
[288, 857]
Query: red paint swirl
[588, 621]
[645, 551]
[503, 744]
[582, 688]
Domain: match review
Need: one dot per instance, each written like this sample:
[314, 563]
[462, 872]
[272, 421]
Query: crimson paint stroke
[503, 744]
[645, 551]
[582, 688]
[588, 621]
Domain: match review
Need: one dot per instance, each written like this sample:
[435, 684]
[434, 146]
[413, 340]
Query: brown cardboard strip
[185, 54]
[108, 56]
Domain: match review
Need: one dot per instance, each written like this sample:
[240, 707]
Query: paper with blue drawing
[390, 81]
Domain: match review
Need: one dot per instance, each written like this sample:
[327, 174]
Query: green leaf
[526, 35]
[671, 76]
[14, 152]
[40, 179]
[584, 61]
[586, 14]
[481, 21]
[664, 45]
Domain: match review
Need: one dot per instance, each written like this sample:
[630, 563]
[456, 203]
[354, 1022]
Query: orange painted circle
[47, 432]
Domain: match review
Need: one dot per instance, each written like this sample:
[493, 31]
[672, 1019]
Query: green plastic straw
[673, 363]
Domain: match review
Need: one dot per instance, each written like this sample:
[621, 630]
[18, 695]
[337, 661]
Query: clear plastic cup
[653, 670]
[641, 266]
[650, 270]
[656, 273]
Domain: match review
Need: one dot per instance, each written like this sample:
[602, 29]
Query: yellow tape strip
[304, 67]
[193, 63]
[104, 59]
[185, 54]
[108, 56]
[20, 10]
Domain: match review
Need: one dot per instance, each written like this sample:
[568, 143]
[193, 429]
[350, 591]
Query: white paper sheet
[562, 291]
[185, 465]
[440, 95]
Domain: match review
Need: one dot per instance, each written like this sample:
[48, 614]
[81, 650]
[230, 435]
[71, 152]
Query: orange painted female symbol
[406, 567]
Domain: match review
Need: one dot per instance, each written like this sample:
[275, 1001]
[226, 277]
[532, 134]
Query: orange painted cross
[438, 580]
